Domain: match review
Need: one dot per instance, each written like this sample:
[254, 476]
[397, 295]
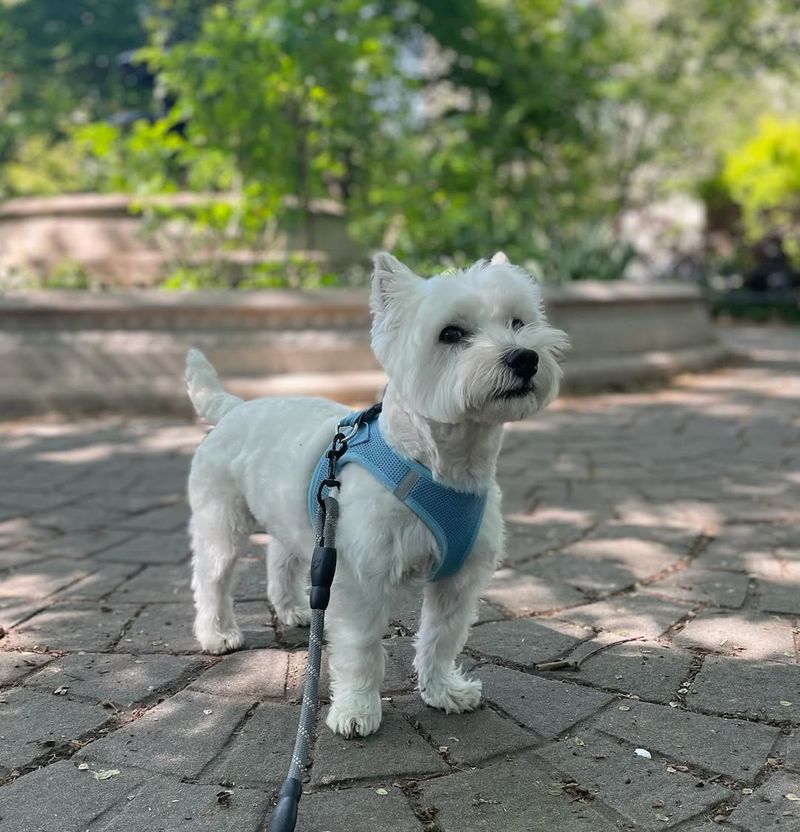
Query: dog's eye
[517, 324]
[452, 335]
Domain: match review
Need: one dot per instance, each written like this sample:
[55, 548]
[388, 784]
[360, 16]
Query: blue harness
[454, 517]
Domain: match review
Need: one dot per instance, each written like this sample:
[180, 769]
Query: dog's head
[474, 345]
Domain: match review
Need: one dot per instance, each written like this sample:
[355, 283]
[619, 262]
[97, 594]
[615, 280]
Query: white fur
[441, 408]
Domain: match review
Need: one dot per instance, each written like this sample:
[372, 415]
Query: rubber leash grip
[323, 567]
[284, 815]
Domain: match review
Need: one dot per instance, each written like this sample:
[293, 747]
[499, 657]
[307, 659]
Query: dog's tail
[210, 401]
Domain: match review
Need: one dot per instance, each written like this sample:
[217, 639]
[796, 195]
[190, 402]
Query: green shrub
[592, 255]
[763, 176]
[293, 273]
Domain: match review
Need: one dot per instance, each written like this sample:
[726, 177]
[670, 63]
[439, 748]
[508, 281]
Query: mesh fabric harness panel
[454, 517]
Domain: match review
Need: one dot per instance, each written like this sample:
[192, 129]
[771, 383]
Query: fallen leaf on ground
[578, 792]
[106, 774]
[643, 752]
[381, 791]
[792, 796]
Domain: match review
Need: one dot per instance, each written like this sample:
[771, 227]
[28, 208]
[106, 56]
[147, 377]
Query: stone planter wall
[83, 352]
[105, 235]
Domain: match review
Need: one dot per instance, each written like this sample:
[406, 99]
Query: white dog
[464, 353]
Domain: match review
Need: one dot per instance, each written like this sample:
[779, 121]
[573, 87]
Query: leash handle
[323, 568]
[284, 815]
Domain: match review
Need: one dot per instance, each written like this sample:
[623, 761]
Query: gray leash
[323, 567]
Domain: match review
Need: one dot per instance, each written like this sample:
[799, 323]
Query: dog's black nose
[524, 363]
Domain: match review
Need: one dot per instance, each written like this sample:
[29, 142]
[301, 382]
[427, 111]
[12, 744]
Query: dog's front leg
[448, 611]
[355, 626]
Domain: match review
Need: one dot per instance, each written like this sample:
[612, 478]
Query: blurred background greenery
[444, 130]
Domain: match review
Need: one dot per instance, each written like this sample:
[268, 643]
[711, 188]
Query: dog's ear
[390, 281]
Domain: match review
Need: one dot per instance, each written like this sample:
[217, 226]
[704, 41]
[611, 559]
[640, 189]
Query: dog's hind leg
[286, 585]
[219, 527]
[448, 610]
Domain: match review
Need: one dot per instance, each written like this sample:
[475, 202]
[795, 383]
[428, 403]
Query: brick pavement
[653, 537]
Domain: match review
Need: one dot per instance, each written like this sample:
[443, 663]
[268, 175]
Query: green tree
[271, 99]
[442, 127]
[57, 69]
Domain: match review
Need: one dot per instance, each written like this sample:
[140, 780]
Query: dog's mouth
[517, 392]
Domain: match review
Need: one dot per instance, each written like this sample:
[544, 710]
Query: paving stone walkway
[653, 543]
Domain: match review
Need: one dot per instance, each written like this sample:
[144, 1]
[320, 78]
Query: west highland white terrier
[464, 353]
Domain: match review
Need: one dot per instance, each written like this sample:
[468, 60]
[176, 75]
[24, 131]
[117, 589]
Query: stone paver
[41, 579]
[769, 808]
[645, 669]
[629, 615]
[641, 790]
[17, 665]
[525, 642]
[400, 752]
[545, 706]
[359, 810]
[179, 736]
[668, 517]
[726, 687]
[722, 589]
[466, 739]
[73, 626]
[260, 674]
[518, 794]
[737, 749]
[61, 798]
[147, 547]
[109, 677]
[259, 752]
[162, 803]
[747, 635]
[100, 584]
[522, 594]
[37, 723]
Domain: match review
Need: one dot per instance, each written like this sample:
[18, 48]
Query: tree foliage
[527, 125]
[58, 67]
[763, 176]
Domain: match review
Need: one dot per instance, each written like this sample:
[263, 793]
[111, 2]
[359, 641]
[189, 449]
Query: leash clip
[344, 433]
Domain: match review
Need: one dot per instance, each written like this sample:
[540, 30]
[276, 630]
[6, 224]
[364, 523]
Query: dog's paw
[217, 643]
[453, 693]
[293, 616]
[357, 715]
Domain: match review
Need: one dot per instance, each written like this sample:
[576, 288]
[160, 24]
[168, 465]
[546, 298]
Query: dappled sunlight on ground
[652, 552]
